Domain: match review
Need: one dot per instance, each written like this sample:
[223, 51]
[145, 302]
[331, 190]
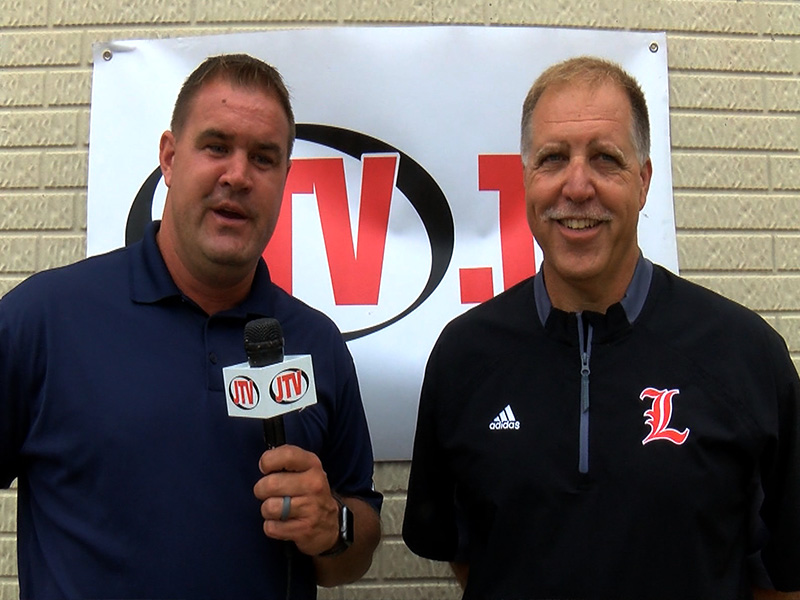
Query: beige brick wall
[735, 130]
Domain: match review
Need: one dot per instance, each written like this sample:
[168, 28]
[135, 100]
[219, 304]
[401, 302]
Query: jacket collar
[631, 303]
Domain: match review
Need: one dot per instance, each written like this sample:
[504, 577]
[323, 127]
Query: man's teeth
[578, 223]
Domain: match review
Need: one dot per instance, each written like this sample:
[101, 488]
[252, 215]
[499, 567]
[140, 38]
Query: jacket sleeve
[780, 470]
[430, 524]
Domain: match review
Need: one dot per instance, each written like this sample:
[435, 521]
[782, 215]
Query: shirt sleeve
[430, 526]
[17, 388]
[348, 459]
[8, 417]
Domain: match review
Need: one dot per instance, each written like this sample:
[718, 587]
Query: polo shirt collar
[151, 282]
[260, 302]
[150, 279]
[631, 303]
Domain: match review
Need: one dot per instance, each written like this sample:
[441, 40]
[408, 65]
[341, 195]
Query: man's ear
[646, 173]
[166, 154]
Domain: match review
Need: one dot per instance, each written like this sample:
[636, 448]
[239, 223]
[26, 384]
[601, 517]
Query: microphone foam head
[263, 342]
[263, 330]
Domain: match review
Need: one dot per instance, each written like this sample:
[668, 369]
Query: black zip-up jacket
[621, 455]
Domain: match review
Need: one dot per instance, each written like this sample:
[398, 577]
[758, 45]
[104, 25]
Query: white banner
[404, 205]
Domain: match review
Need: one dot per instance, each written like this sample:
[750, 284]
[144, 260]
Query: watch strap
[345, 539]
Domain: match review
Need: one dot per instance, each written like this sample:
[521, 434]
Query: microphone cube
[272, 390]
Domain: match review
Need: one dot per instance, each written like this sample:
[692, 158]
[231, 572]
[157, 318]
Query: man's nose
[237, 171]
[578, 185]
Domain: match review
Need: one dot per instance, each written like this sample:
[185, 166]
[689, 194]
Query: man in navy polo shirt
[605, 429]
[133, 481]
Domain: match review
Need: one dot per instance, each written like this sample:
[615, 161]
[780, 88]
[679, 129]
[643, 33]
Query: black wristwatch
[345, 530]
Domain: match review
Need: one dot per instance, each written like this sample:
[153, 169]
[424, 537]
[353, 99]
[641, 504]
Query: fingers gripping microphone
[269, 384]
[263, 343]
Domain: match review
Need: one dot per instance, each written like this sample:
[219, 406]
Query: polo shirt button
[212, 357]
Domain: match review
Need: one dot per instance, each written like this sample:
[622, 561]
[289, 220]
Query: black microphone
[269, 384]
[263, 344]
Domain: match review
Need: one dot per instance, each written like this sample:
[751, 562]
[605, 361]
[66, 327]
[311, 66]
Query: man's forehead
[214, 84]
[582, 104]
[213, 87]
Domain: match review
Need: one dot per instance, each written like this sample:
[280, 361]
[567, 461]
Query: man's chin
[577, 269]
[232, 258]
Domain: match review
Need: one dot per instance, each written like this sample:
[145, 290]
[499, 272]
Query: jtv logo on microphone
[244, 392]
[289, 386]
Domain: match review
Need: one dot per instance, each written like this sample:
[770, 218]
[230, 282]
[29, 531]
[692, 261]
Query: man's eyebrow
[269, 146]
[607, 147]
[214, 133]
[548, 147]
[218, 134]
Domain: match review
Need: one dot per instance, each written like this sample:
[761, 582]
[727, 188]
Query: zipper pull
[585, 351]
[585, 380]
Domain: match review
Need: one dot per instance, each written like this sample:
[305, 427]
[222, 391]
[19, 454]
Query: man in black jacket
[605, 429]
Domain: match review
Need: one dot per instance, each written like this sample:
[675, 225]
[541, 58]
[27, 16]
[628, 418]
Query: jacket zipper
[585, 352]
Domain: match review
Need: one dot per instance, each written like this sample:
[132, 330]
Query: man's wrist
[345, 537]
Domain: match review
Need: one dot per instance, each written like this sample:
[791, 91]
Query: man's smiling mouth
[579, 224]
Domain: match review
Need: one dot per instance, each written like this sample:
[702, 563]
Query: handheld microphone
[269, 384]
[263, 344]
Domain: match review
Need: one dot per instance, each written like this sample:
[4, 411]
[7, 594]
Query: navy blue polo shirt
[133, 481]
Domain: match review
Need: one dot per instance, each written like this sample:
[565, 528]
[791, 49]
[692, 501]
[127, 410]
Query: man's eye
[551, 158]
[264, 159]
[606, 157]
[216, 148]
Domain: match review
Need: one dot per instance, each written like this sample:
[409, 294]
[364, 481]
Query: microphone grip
[274, 432]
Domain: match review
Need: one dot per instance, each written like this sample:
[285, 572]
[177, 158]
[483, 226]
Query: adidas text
[504, 425]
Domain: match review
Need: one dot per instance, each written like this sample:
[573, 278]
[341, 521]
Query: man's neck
[595, 294]
[222, 293]
[214, 299]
